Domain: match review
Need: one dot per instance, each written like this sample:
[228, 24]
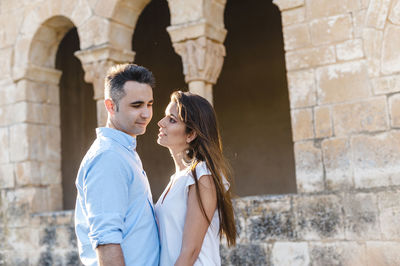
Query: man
[114, 217]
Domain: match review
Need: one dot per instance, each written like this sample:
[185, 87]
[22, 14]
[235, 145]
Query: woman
[195, 209]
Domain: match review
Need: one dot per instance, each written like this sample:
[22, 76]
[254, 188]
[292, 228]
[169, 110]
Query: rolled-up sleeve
[106, 198]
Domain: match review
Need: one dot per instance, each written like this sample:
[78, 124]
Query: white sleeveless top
[171, 216]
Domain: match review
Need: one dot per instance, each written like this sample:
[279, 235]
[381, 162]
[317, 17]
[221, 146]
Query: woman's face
[172, 130]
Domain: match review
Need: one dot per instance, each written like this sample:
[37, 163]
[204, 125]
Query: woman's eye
[171, 120]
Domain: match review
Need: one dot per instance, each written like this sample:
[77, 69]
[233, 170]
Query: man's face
[135, 109]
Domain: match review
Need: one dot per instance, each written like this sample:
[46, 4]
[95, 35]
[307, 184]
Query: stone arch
[47, 23]
[38, 82]
[113, 23]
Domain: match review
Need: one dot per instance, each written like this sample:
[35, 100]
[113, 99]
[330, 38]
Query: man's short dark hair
[117, 75]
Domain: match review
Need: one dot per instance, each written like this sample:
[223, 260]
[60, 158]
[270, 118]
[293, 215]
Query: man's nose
[146, 113]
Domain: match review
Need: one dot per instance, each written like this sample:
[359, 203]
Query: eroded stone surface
[309, 168]
[319, 217]
[338, 165]
[376, 159]
[342, 82]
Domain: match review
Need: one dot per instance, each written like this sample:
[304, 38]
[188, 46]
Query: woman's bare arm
[196, 224]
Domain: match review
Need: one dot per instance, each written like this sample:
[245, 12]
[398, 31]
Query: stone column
[35, 141]
[197, 33]
[202, 63]
[96, 61]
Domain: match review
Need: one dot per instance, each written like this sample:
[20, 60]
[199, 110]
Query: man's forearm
[110, 254]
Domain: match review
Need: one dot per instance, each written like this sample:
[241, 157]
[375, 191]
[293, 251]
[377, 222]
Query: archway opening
[78, 114]
[154, 50]
[252, 102]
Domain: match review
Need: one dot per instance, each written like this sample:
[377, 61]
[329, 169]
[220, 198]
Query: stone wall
[343, 70]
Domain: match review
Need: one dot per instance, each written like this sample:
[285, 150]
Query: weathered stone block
[331, 29]
[394, 109]
[4, 144]
[50, 172]
[389, 208]
[309, 169]
[81, 13]
[365, 116]
[120, 36]
[8, 92]
[361, 216]
[270, 219]
[342, 82]
[386, 85]
[288, 4]
[325, 8]
[29, 112]
[51, 113]
[191, 11]
[6, 59]
[53, 94]
[17, 205]
[383, 253]
[302, 89]
[246, 255]
[9, 34]
[377, 13]
[293, 16]
[31, 91]
[126, 15]
[319, 217]
[302, 124]
[5, 117]
[310, 57]
[359, 22]
[390, 51]
[27, 142]
[55, 197]
[322, 122]
[373, 50]
[349, 50]
[290, 253]
[22, 239]
[28, 173]
[376, 159]
[296, 36]
[337, 253]
[394, 15]
[7, 176]
[337, 162]
[95, 33]
[53, 143]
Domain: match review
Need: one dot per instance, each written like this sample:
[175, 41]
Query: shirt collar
[122, 138]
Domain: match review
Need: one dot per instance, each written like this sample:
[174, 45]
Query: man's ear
[191, 136]
[110, 106]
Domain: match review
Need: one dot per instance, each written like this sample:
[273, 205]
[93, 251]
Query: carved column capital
[202, 59]
[96, 61]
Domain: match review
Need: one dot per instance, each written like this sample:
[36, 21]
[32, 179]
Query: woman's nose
[159, 123]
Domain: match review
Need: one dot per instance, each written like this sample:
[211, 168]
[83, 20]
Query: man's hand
[110, 254]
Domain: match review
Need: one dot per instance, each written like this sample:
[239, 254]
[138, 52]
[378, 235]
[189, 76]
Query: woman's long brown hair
[199, 117]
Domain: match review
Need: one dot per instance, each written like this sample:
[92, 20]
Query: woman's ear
[191, 136]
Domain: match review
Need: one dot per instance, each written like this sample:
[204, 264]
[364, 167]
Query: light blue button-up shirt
[114, 203]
